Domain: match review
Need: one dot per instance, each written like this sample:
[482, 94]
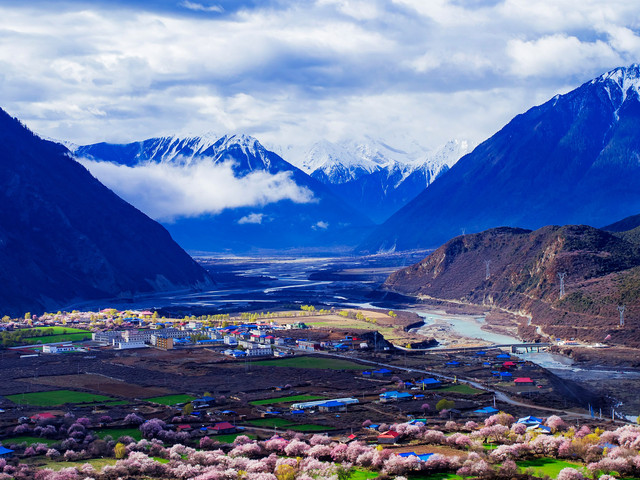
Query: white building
[259, 351]
[59, 348]
[230, 341]
[129, 345]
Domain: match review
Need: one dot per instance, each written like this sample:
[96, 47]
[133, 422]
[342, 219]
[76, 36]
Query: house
[486, 411]
[382, 373]
[222, 428]
[508, 364]
[333, 406]
[529, 421]
[317, 403]
[539, 429]
[5, 452]
[395, 396]
[424, 457]
[506, 375]
[523, 381]
[203, 402]
[182, 428]
[389, 436]
[503, 356]
[428, 383]
[130, 344]
[452, 363]
[43, 416]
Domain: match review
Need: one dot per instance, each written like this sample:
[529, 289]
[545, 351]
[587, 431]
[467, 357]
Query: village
[291, 375]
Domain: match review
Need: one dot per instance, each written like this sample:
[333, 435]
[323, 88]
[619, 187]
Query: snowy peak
[620, 83]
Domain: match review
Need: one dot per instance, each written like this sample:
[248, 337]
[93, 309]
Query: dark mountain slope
[572, 160]
[64, 236]
[602, 272]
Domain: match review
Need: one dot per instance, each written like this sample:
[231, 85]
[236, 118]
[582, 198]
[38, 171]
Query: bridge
[528, 347]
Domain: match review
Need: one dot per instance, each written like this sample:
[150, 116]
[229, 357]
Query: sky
[294, 72]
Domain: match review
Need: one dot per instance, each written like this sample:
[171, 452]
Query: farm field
[462, 388]
[313, 363]
[57, 397]
[289, 399]
[171, 399]
[99, 383]
[116, 433]
[28, 440]
[547, 467]
[283, 423]
[65, 337]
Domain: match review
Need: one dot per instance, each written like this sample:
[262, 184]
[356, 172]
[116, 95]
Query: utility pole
[561, 276]
[487, 273]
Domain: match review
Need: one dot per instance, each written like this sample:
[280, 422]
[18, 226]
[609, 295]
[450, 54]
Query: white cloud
[321, 225]
[555, 55]
[167, 192]
[255, 218]
[198, 7]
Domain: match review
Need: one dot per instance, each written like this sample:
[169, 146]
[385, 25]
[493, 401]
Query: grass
[68, 337]
[462, 388]
[437, 476]
[282, 423]
[61, 330]
[360, 474]
[229, 438]
[57, 397]
[547, 466]
[313, 363]
[171, 399]
[98, 463]
[29, 440]
[289, 399]
[270, 422]
[119, 432]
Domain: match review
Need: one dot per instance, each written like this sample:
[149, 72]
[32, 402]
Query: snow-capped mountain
[250, 197]
[375, 177]
[572, 160]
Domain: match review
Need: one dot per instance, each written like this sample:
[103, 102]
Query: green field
[270, 422]
[547, 466]
[437, 476]
[57, 397]
[171, 399]
[67, 337]
[289, 399]
[61, 330]
[460, 388]
[285, 424]
[116, 433]
[29, 440]
[359, 474]
[229, 438]
[313, 362]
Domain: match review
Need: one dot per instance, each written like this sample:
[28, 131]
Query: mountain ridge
[571, 160]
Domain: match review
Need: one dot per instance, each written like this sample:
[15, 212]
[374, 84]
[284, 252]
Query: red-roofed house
[43, 416]
[181, 428]
[508, 364]
[388, 437]
[523, 381]
[222, 427]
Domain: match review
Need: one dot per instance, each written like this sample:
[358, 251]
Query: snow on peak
[619, 82]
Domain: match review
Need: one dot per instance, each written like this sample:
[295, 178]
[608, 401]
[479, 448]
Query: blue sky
[291, 73]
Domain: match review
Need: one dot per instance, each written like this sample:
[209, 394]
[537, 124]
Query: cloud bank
[166, 192]
[295, 72]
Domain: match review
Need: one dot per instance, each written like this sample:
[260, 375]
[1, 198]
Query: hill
[65, 237]
[601, 271]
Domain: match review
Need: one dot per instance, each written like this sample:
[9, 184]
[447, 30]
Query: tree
[445, 404]
[345, 473]
[120, 450]
[285, 472]
[27, 315]
[187, 409]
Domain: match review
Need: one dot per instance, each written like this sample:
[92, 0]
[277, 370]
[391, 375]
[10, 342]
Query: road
[499, 395]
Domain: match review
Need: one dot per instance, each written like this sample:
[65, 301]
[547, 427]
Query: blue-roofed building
[486, 411]
[452, 363]
[481, 353]
[6, 452]
[530, 421]
[429, 383]
[503, 356]
[382, 373]
[333, 406]
[394, 396]
[506, 374]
